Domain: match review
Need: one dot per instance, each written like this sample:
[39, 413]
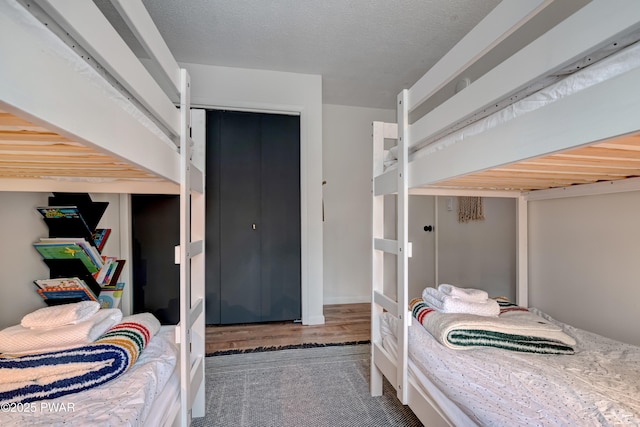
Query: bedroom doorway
[253, 225]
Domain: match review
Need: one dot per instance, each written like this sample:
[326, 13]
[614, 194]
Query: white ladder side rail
[403, 246]
[377, 272]
[191, 371]
[198, 260]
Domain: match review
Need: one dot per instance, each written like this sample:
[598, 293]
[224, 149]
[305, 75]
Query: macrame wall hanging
[470, 209]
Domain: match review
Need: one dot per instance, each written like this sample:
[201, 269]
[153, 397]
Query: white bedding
[597, 386]
[126, 401]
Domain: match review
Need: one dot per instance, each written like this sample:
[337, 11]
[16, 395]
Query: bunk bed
[539, 101]
[80, 112]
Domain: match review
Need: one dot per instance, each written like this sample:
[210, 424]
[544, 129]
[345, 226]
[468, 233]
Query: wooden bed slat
[611, 160]
[573, 169]
[30, 151]
[26, 135]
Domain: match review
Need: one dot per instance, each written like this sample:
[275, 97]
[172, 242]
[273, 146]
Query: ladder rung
[387, 303]
[196, 311]
[387, 245]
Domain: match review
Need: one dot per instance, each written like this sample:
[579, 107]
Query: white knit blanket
[60, 315]
[17, 340]
[449, 304]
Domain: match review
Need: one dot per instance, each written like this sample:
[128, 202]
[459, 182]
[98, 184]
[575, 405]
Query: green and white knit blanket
[516, 329]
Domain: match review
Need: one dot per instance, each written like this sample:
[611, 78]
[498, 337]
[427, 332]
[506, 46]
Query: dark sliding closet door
[253, 217]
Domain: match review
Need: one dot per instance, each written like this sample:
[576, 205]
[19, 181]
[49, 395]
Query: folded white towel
[16, 340]
[448, 304]
[467, 294]
[60, 315]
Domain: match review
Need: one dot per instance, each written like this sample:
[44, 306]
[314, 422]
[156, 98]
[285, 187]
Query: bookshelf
[73, 252]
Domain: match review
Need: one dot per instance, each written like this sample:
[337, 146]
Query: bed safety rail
[542, 57]
[90, 74]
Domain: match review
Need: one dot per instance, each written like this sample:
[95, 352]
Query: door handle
[253, 226]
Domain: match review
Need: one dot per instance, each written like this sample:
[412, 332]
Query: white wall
[584, 262]
[347, 168]
[274, 91]
[22, 225]
[479, 254]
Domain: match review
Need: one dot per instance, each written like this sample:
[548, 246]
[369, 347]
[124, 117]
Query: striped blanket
[54, 374]
[516, 329]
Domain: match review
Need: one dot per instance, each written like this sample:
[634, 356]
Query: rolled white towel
[448, 304]
[17, 340]
[467, 294]
[60, 315]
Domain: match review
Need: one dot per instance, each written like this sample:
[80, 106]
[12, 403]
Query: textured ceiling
[365, 50]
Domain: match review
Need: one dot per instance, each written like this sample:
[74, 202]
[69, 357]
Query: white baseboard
[347, 300]
[314, 320]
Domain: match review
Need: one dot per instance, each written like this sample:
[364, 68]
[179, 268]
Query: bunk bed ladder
[401, 248]
[191, 259]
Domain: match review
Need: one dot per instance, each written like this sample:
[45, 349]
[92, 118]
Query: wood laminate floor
[343, 323]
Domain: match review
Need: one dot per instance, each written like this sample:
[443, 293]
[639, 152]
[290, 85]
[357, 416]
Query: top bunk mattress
[597, 386]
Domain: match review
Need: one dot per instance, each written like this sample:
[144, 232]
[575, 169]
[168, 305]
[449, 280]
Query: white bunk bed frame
[520, 159]
[62, 131]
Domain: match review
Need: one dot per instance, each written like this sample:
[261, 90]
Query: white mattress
[125, 401]
[597, 386]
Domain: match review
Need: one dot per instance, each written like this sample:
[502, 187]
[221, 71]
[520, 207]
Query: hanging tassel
[470, 209]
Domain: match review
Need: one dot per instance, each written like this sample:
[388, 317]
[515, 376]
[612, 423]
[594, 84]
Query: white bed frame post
[191, 258]
[403, 245]
[522, 253]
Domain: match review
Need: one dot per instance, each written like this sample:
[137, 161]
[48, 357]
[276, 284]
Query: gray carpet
[325, 386]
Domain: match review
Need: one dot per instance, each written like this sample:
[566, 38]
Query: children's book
[110, 296]
[68, 287]
[59, 212]
[79, 294]
[92, 251]
[114, 273]
[49, 250]
[65, 221]
[100, 237]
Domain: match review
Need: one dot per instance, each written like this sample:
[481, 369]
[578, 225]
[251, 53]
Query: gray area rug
[324, 386]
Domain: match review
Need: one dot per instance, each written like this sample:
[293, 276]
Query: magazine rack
[81, 226]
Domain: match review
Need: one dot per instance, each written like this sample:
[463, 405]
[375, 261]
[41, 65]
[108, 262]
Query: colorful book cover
[91, 250]
[64, 284]
[100, 237]
[80, 293]
[59, 211]
[68, 287]
[114, 273]
[66, 251]
[110, 296]
[109, 264]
